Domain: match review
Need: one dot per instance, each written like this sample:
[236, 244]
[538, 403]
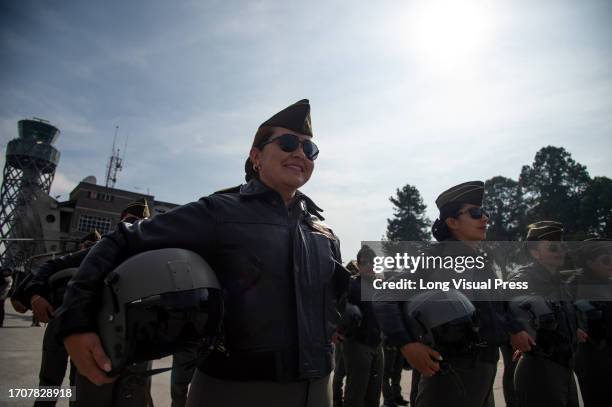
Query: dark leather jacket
[280, 269]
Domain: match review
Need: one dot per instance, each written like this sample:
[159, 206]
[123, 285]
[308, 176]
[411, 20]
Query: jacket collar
[255, 187]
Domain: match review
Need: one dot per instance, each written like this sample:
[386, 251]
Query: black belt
[278, 366]
[487, 354]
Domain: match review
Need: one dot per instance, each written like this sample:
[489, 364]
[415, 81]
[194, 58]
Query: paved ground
[20, 352]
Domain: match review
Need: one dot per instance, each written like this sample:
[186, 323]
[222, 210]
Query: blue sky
[430, 93]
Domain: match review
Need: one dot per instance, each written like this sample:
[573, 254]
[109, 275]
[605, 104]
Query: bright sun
[449, 34]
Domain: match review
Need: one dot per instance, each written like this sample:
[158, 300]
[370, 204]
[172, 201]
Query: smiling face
[282, 171]
[466, 228]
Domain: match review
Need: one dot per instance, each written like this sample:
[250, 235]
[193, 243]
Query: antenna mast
[115, 163]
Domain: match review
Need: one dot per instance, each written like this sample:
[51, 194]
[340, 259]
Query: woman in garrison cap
[465, 377]
[543, 375]
[279, 266]
[593, 295]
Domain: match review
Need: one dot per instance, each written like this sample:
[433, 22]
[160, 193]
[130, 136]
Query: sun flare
[449, 34]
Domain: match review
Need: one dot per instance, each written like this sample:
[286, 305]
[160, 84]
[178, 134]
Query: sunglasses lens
[605, 260]
[310, 149]
[477, 213]
[288, 142]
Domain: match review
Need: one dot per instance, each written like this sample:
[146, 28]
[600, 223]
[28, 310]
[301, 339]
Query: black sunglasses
[290, 142]
[475, 213]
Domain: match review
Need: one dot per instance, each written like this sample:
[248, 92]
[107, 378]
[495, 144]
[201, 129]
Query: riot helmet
[155, 304]
[534, 313]
[445, 320]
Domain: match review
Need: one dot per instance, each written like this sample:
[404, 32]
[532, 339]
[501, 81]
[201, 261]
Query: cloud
[62, 185]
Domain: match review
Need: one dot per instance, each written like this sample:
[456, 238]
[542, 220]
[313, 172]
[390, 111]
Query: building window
[100, 196]
[88, 223]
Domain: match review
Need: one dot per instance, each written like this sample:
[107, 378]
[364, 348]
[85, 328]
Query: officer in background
[183, 367]
[592, 288]
[363, 354]
[339, 368]
[5, 285]
[543, 375]
[132, 392]
[44, 298]
[392, 375]
[460, 373]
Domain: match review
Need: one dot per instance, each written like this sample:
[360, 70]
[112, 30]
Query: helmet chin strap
[203, 352]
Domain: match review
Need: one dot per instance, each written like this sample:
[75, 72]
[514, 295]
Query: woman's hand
[337, 337]
[88, 356]
[522, 341]
[582, 335]
[19, 307]
[422, 358]
[42, 310]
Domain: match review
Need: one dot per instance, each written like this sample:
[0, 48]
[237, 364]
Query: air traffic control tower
[30, 166]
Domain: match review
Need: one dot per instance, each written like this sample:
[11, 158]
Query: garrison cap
[138, 209]
[295, 117]
[594, 247]
[92, 236]
[545, 230]
[470, 192]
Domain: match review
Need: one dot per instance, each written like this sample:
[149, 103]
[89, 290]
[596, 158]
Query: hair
[440, 229]
[365, 253]
[261, 136]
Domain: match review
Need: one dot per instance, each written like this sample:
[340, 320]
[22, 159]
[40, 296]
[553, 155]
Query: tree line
[554, 187]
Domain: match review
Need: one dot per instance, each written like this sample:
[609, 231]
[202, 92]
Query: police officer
[593, 295]
[543, 375]
[339, 367]
[279, 266]
[44, 299]
[392, 375]
[88, 393]
[468, 369]
[5, 285]
[393, 366]
[363, 354]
